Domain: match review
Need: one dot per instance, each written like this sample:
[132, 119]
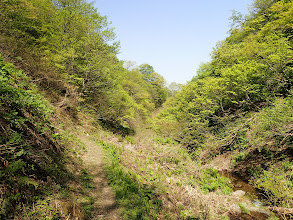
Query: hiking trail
[105, 206]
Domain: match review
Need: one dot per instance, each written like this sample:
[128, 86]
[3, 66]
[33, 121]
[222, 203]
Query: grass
[211, 181]
[164, 141]
[277, 184]
[159, 175]
[139, 201]
[86, 179]
[243, 208]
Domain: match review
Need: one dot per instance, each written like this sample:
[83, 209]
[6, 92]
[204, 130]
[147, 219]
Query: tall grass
[138, 201]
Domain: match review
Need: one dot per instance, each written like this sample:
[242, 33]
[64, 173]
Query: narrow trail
[105, 206]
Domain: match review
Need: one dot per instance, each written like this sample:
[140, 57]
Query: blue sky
[172, 36]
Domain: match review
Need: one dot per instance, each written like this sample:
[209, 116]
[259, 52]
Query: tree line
[69, 50]
[248, 70]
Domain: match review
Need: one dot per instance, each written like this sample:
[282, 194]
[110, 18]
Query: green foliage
[42, 210]
[249, 69]
[69, 49]
[277, 184]
[86, 179]
[156, 84]
[146, 70]
[164, 141]
[210, 180]
[130, 140]
[239, 157]
[158, 90]
[174, 88]
[242, 101]
[243, 208]
[29, 153]
[139, 90]
[186, 115]
[138, 201]
[267, 136]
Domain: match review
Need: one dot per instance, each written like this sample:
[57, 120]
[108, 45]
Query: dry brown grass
[104, 202]
[169, 168]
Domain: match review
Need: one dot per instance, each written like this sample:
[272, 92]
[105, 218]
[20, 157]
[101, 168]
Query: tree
[247, 70]
[146, 70]
[158, 90]
[174, 88]
[129, 65]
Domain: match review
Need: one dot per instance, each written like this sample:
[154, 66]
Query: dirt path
[105, 207]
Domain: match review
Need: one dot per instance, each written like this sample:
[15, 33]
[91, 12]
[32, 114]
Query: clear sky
[173, 36]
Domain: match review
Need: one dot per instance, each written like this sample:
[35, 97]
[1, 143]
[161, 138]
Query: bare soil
[105, 206]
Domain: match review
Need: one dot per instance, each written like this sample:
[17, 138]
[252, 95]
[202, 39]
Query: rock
[259, 210]
[238, 193]
[257, 203]
[235, 208]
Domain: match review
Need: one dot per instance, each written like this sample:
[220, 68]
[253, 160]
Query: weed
[139, 201]
[86, 179]
[278, 185]
[31, 150]
[130, 140]
[210, 181]
[164, 141]
[88, 206]
[239, 157]
[243, 208]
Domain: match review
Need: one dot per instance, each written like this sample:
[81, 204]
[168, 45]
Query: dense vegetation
[249, 69]
[31, 154]
[241, 101]
[65, 70]
[65, 46]
[64, 50]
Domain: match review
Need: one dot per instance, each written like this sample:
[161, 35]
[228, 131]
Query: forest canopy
[68, 47]
[248, 70]
[63, 92]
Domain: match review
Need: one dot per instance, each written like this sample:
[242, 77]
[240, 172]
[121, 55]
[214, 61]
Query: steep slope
[69, 50]
[235, 116]
[238, 109]
[62, 50]
[31, 154]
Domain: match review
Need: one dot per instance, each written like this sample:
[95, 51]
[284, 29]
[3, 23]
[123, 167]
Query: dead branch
[285, 138]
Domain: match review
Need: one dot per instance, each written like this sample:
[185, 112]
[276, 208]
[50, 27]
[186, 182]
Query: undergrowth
[153, 167]
[31, 156]
[267, 160]
[36, 163]
[138, 201]
[210, 180]
[262, 146]
[277, 185]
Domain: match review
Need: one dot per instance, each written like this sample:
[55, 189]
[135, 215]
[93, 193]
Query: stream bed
[254, 195]
[240, 184]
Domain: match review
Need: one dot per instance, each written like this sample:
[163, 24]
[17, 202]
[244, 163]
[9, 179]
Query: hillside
[85, 136]
[236, 114]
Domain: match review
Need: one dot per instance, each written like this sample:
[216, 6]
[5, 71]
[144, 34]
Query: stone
[238, 193]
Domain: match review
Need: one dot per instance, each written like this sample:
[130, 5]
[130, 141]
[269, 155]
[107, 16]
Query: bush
[210, 181]
[29, 153]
